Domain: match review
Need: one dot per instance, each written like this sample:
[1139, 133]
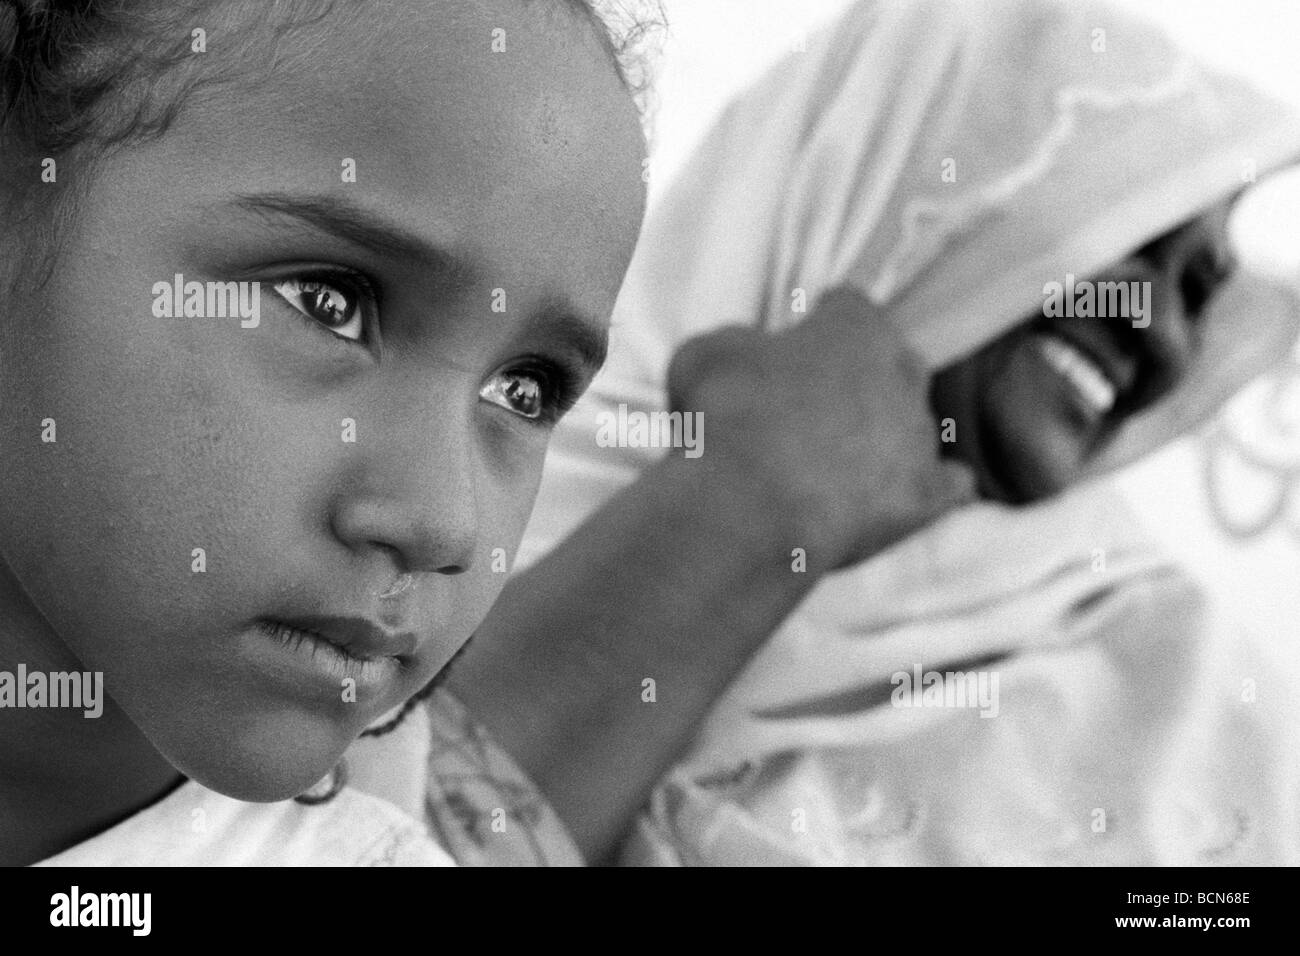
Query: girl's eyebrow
[341, 216]
[338, 215]
[588, 339]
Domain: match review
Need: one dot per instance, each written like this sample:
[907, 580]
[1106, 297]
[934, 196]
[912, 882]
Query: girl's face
[1036, 408]
[438, 231]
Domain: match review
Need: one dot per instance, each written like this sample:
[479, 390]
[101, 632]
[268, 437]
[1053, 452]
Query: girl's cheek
[502, 534]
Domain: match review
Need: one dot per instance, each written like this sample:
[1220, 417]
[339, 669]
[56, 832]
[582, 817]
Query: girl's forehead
[498, 128]
[489, 73]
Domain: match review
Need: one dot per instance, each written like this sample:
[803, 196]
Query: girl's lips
[358, 637]
[322, 662]
[331, 649]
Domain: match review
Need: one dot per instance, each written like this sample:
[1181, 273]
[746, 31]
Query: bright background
[713, 48]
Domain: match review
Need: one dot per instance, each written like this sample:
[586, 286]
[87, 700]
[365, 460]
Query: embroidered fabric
[930, 222]
[482, 807]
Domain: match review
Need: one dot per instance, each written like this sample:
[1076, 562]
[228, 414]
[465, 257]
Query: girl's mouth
[331, 657]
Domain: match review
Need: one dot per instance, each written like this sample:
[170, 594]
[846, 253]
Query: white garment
[1115, 734]
[195, 826]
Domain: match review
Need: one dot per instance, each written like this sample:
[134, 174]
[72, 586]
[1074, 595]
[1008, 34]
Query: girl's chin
[261, 768]
[258, 784]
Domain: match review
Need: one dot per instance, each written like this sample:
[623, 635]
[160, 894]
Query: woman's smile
[1036, 409]
[1047, 398]
[1095, 391]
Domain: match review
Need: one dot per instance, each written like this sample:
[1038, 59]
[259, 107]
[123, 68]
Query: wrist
[734, 515]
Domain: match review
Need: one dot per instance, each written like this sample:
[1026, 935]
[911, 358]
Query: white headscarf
[1075, 134]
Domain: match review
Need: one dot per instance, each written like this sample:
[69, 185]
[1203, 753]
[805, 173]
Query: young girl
[962, 165]
[268, 529]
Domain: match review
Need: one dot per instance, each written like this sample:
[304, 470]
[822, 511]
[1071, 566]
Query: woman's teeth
[1088, 380]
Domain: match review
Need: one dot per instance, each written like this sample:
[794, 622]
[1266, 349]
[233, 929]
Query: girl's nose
[416, 540]
[417, 501]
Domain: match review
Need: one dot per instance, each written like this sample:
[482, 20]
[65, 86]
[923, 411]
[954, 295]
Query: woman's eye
[329, 303]
[521, 391]
[1201, 277]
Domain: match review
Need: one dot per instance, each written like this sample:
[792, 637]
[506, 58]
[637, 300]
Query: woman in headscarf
[1013, 684]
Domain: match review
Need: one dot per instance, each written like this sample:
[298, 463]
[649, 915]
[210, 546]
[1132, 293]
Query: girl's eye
[526, 392]
[329, 303]
[538, 393]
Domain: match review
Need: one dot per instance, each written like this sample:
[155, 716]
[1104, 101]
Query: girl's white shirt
[194, 826]
[371, 823]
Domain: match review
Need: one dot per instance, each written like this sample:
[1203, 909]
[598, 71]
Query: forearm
[677, 580]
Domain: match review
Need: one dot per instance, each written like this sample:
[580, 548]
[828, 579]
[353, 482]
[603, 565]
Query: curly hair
[633, 29]
[76, 72]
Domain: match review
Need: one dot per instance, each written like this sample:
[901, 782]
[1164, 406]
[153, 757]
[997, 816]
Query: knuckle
[910, 365]
[844, 301]
[710, 349]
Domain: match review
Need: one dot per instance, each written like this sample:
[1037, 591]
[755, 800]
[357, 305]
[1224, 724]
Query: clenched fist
[823, 429]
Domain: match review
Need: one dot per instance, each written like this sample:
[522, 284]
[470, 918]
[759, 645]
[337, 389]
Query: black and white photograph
[650, 433]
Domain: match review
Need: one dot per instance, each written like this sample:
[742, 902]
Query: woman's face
[438, 232]
[1036, 409]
